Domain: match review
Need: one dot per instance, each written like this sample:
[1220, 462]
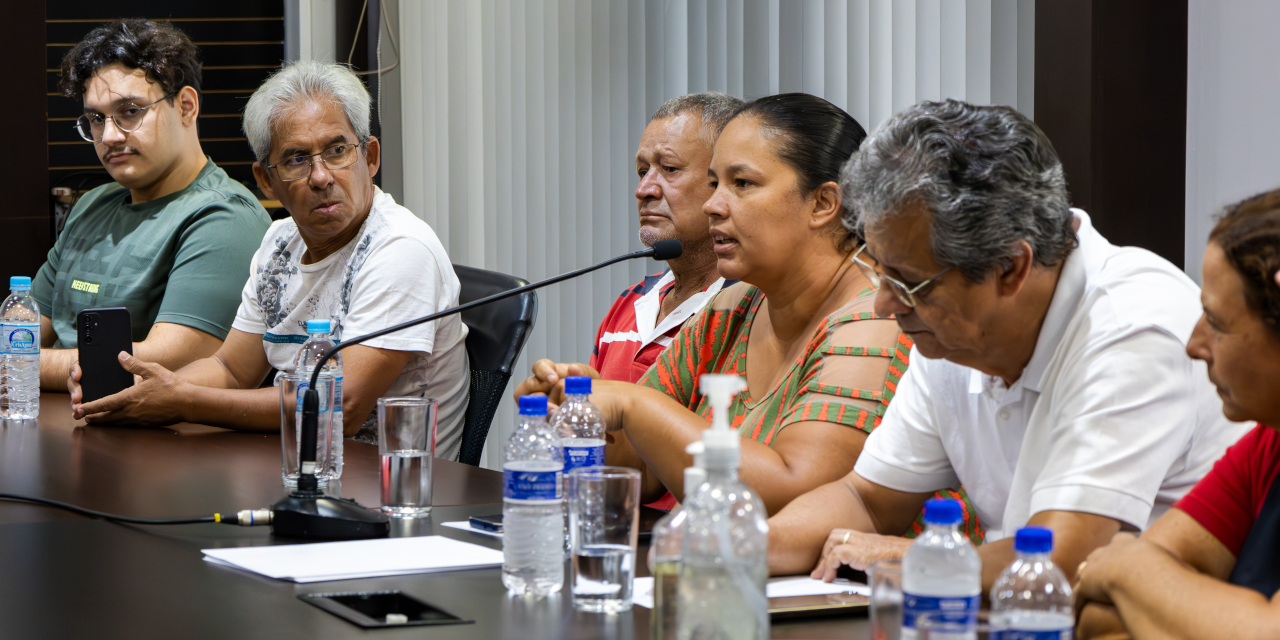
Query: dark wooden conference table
[67, 576]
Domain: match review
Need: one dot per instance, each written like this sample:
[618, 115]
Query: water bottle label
[951, 610]
[532, 485]
[324, 404]
[1015, 634]
[20, 339]
[576, 457]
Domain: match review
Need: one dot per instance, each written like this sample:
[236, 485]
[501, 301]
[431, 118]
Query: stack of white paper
[357, 558]
[778, 588]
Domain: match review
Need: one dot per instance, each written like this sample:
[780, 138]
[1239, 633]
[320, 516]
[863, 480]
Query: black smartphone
[101, 334]
[487, 523]
[372, 609]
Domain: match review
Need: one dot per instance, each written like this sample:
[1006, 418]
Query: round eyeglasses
[339, 156]
[127, 118]
[905, 294]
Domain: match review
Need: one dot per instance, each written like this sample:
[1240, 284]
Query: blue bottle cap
[577, 386]
[318, 325]
[943, 511]
[1033, 540]
[19, 282]
[533, 405]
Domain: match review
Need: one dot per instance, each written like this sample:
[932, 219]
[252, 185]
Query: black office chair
[496, 333]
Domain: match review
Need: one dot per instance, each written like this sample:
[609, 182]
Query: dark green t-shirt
[182, 258]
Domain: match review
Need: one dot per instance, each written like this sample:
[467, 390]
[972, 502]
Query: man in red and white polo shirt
[675, 152]
[674, 155]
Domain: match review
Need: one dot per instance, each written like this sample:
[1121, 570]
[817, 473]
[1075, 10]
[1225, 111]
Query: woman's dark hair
[166, 54]
[814, 137]
[1248, 232]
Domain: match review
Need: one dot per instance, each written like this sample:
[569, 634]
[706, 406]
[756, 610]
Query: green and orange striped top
[846, 375]
[811, 390]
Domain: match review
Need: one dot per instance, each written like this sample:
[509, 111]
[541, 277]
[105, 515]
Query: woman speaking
[820, 365]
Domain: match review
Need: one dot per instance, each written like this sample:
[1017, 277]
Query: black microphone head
[667, 249]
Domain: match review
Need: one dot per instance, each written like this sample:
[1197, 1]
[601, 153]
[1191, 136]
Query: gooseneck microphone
[307, 512]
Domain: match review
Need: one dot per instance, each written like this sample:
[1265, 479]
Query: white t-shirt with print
[393, 271]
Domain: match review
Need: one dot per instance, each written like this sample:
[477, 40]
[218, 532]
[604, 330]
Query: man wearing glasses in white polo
[171, 238]
[1049, 373]
[347, 254]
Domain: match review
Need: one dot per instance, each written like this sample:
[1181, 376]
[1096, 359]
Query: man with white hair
[348, 253]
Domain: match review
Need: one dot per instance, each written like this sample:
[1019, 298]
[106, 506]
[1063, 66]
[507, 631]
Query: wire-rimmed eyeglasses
[339, 156]
[905, 294]
[127, 118]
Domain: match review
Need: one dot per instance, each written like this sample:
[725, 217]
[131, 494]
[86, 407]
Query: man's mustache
[118, 150]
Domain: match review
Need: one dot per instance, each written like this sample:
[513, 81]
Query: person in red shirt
[675, 151]
[1210, 567]
[672, 162]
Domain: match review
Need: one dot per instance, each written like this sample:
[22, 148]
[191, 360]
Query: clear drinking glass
[291, 418]
[933, 626]
[885, 578]
[604, 525]
[407, 443]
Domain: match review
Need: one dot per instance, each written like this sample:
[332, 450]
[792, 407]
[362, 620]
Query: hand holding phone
[101, 334]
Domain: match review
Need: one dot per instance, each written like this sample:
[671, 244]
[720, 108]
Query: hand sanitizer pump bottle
[723, 568]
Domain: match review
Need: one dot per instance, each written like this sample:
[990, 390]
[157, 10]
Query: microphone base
[303, 514]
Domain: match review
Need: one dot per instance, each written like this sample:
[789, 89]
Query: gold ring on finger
[845, 539]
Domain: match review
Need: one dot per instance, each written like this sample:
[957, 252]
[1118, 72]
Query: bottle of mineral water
[664, 553]
[533, 504]
[317, 344]
[581, 430]
[721, 592]
[580, 425]
[20, 377]
[1032, 598]
[942, 575]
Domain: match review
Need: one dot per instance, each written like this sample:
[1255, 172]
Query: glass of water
[604, 525]
[943, 626]
[407, 443]
[291, 385]
[885, 578]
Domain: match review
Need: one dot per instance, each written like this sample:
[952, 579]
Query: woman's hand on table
[153, 400]
[611, 398]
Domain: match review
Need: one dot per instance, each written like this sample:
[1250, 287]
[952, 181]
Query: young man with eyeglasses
[172, 237]
[347, 253]
[1049, 373]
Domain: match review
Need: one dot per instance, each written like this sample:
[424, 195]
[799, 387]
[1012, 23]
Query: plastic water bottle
[20, 376]
[942, 574]
[580, 425]
[533, 504]
[1032, 598]
[581, 430]
[721, 592]
[317, 344]
[665, 552]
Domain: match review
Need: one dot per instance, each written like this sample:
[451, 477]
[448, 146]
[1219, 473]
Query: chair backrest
[496, 332]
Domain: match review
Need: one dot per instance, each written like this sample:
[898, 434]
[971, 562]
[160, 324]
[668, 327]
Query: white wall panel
[1233, 95]
[521, 117]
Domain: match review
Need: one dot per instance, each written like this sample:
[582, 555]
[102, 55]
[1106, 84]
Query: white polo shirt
[1110, 417]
